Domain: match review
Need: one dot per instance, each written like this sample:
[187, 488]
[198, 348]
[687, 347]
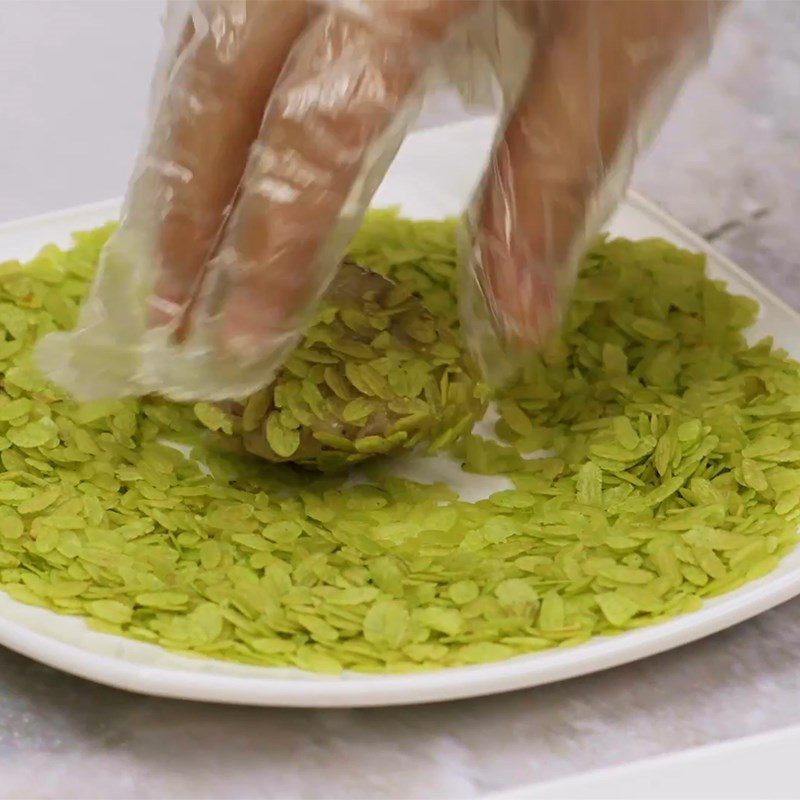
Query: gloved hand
[275, 122]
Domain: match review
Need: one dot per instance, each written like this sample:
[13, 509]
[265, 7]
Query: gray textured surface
[728, 162]
[728, 165]
[61, 738]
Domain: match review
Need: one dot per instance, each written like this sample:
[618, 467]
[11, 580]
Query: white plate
[752, 768]
[434, 173]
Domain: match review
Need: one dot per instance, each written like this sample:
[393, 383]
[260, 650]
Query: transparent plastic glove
[602, 79]
[274, 122]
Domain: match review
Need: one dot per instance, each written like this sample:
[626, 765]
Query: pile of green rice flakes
[672, 476]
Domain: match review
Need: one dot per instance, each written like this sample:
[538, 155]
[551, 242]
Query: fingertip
[520, 280]
[523, 301]
[250, 328]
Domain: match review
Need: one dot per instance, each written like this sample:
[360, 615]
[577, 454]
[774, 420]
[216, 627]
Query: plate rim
[452, 683]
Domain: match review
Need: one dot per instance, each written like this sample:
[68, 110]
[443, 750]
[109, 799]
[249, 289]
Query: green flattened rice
[671, 474]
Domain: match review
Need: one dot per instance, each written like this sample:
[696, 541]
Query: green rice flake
[445, 620]
[671, 471]
[213, 417]
[34, 434]
[14, 409]
[283, 440]
[617, 608]
[551, 614]
[625, 433]
[590, 484]
[387, 624]
[110, 611]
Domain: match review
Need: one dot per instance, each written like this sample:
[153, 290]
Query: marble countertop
[728, 165]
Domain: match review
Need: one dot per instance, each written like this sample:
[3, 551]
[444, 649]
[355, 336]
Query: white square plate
[432, 177]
